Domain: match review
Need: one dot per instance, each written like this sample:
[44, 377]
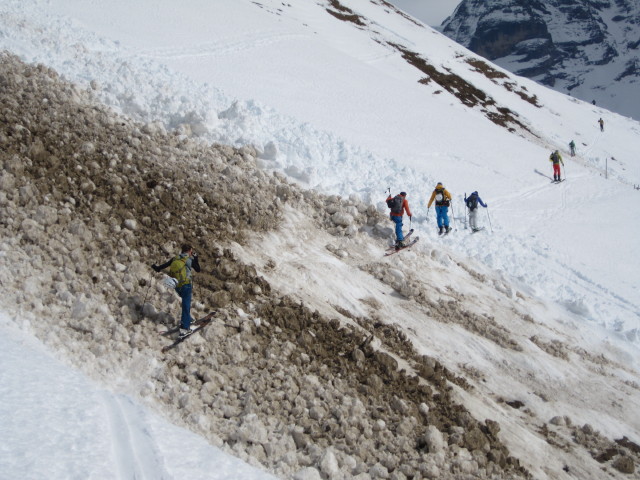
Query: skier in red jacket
[398, 206]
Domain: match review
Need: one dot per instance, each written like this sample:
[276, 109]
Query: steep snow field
[336, 108]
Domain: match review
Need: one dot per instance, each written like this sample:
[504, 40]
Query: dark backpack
[441, 200]
[472, 202]
[395, 204]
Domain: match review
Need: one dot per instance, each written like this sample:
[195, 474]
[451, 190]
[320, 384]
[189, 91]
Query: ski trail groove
[135, 453]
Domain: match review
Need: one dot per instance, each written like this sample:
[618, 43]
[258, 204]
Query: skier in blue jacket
[472, 204]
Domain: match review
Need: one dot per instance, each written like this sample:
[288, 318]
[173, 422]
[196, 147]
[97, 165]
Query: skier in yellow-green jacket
[556, 159]
[180, 268]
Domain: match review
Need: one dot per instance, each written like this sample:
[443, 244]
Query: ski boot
[185, 332]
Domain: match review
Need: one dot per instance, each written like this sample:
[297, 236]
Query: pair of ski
[407, 244]
[558, 181]
[198, 324]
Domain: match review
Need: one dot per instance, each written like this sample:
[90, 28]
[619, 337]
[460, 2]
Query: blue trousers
[185, 292]
[398, 222]
[441, 215]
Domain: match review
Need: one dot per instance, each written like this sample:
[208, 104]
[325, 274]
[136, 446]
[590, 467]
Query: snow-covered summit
[586, 49]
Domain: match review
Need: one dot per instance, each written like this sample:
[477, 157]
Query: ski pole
[453, 214]
[465, 211]
[428, 208]
[147, 292]
[489, 217]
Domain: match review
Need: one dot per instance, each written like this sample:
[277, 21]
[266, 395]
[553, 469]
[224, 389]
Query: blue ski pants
[398, 221]
[442, 216]
[185, 293]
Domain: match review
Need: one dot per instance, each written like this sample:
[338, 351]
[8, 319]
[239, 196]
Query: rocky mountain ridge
[587, 49]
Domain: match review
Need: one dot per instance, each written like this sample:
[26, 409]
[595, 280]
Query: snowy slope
[62, 425]
[336, 107]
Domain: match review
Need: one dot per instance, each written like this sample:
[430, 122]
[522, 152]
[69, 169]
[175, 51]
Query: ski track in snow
[136, 454]
[220, 49]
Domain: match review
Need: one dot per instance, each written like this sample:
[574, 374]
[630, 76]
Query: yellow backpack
[178, 270]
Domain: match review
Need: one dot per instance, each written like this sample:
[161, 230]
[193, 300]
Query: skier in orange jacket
[398, 206]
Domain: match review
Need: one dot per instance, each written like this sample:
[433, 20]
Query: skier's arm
[405, 204]
[433, 196]
[195, 264]
[158, 268]
[481, 202]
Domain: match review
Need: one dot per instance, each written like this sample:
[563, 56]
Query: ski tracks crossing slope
[248, 41]
[555, 208]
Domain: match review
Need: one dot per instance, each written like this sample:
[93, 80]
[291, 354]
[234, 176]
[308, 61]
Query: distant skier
[443, 199]
[472, 202]
[601, 122]
[556, 159]
[180, 268]
[572, 148]
[398, 206]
